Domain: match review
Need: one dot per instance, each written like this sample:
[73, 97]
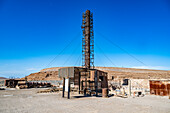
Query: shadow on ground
[83, 96]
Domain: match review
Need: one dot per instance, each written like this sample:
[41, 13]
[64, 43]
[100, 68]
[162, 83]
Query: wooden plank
[63, 87]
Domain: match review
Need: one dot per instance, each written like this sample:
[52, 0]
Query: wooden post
[82, 85]
[85, 85]
[85, 80]
[68, 88]
[96, 83]
[129, 84]
[79, 82]
[85, 92]
[63, 87]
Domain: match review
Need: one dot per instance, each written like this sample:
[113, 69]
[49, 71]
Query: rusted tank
[160, 87]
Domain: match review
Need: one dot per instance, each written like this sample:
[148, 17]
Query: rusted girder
[88, 40]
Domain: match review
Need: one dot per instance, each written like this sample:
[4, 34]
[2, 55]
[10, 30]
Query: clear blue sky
[33, 32]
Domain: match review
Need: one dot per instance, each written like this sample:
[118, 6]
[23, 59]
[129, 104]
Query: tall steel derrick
[87, 40]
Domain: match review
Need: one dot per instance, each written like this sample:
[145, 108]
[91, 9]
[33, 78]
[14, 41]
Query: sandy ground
[28, 101]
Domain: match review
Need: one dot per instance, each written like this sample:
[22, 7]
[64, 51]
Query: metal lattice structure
[88, 40]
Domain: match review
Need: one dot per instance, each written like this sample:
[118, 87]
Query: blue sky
[34, 32]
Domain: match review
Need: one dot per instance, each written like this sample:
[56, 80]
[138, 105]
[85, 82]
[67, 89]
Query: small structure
[88, 81]
[12, 83]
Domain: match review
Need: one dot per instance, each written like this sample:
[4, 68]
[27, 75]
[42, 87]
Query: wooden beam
[79, 82]
[68, 88]
[96, 83]
[63, 87]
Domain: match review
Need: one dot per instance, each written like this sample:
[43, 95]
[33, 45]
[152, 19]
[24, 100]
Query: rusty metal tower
[88, 40]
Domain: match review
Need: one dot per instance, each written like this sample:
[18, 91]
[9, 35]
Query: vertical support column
[63, 87]
[68, 88]
[12, 84]
[96, 83]
[129, 84]
[79, 82]
[85, 89]
[88, 40]
[85, 92]
[86, 80]
[82, 85]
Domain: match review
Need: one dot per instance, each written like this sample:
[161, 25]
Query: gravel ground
[28, 101]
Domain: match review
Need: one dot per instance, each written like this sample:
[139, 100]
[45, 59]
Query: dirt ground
[28, 101]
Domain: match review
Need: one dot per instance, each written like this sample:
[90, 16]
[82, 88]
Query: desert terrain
[29, 101]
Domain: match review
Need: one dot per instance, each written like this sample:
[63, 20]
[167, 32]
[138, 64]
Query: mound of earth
[43, 76]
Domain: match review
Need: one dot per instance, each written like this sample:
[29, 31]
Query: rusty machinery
[88, 40]
[87, 81]
[85, 78]
[12, 83]
[160, 87]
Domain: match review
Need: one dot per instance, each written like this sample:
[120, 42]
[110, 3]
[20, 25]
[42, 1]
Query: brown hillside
[117, 72]
[39, 76]
[3, 78]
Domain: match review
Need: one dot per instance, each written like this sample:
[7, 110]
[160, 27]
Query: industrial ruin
[91, 56]
[91, 80]
[85, 78]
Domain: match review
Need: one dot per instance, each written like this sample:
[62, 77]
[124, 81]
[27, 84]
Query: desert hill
[3, 78]
[116, 72]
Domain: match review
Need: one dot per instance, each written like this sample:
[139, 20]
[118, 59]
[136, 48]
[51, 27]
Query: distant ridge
[3, 78]
[117, 72]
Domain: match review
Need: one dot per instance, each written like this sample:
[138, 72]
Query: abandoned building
[88, 81]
